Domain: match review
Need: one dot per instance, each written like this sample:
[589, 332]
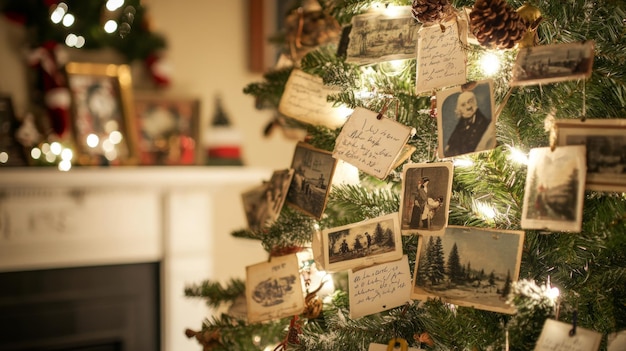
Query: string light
[490, 63]
[110, 26]
[518, 156]
[485, 211]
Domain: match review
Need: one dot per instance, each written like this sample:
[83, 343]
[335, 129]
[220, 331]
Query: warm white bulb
[518, 156]
[113, 5]
[56, 148]
[65, 165]
[4, 157]
[462, 162]
[490, 63]
[553, 293]
[92, 140]
[71, 40]
[35, 153]
[110, 26]
[68, 19]
[485, 210]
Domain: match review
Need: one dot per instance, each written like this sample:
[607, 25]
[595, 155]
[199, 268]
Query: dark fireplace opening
[100, 308]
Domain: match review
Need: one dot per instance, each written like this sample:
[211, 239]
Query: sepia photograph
[467, 266]
[554, 191]
[168, 130]
[382, 35]
[466, 119]
[425, 197]
[362, 244]
[262, 204]
[274, 289]
[605, 140]
[553, 63]
[313, 172]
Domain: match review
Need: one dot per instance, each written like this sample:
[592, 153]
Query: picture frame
[312, 179]
[262, 204]
[167, 129]
[12, 152]
[102, 113]
[604, 140]
[554, 190]
[362, 244]
[553, 63]
[466, 119]
[489, 261]
[425, 197]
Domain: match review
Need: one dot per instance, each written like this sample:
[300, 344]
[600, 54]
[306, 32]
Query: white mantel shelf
[159, 176]
[181, 217]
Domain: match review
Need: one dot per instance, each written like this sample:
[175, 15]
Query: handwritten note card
[379, 288]
[555, 337]
[304, 99]
[371, 144]
[441, 60]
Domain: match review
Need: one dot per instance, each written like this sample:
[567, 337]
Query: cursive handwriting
[440, 57]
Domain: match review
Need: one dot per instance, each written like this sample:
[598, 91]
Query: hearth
[97, 308]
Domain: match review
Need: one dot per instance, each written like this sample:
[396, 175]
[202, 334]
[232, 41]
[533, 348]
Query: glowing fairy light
[485, 211]
[462, 162]
[553, 293]
[68, 19]
[57, 14]
[110, 26]
[490, 63]
[518, 156]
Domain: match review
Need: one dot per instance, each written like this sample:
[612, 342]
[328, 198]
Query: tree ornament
[531, 15]
[313, 304]
[430, 12]
[495, 24]
[209, 339]
[423, 338]
[308, 27]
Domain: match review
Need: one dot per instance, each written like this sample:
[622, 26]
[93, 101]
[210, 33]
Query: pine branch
[215, 293]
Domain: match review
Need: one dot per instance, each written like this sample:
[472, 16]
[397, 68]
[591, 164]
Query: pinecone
[431, 11]
[495, 24]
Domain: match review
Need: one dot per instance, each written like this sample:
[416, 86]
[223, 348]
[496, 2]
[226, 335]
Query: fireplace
[98, 308]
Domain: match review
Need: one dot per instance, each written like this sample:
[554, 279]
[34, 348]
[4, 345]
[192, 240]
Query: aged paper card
[362, 244]
[379, 288]
[555, 336]
[304, 99]
[441, 60]
[555, 188]
[616, 341]
[371, 144]
[274, 289]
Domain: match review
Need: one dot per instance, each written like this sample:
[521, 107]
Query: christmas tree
[490, 190]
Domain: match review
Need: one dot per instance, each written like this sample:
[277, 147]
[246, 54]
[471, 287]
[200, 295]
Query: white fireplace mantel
[181, 217]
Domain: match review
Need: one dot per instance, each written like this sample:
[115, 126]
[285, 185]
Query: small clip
[572, 331]
[397, 342]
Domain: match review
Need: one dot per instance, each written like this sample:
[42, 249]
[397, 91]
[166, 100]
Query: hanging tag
[371, 144]
[557, 335]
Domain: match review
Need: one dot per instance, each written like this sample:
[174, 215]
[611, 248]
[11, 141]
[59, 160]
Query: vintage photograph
[466, 119]
[553, 63]
[605, 140]
[362, 244]
[262, 204]
[12, 152]
[467, 266]
[274, 289]
[313, 173]
[102, 112]
[425, 197]
[554, 191]
[380, 36]
[168, 130]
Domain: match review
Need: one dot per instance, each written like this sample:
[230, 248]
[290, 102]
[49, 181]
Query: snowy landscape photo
[471, 267]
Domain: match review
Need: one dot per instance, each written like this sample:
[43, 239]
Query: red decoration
[53, 85]
[159, 70]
